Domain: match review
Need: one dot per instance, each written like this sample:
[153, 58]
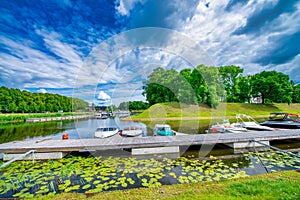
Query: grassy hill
[179, 110]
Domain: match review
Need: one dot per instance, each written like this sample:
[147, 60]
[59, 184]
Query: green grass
[279, 185]
[177, 110]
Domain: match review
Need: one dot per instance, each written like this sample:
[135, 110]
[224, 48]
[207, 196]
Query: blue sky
[59, 46]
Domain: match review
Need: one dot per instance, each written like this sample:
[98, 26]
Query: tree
[162, 86]
[231, 75]
[272, 86]
[244, 89]
[15, 100]
[205, 82]
[186, 93]
[123, 106]
[296, 93]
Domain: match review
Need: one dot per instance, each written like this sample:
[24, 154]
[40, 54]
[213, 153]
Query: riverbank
[279, 185]
[22, 117]
[177, 111]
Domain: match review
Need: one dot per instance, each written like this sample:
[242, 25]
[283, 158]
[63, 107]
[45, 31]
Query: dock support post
[37, 156]
[249, 144]
[155, 150]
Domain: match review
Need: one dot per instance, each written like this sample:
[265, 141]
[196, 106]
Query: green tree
[272, 86]
[230, 76]
[244, 89]
[137, 105]
[15, 100]
[296, 93]
[124, 106]
[206, 84]
[162, 86]
[186, 93]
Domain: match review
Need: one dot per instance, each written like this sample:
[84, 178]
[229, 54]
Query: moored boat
[163, 130]
[283, 120]
[226, 127]
[105, 132]
[249, 123]
[132, 131]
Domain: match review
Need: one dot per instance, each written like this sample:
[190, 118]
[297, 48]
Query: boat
[132, 131]
[283, 120]
[105, 132]
[226, 127]
[249, 123]
[163, 130]
[100, 115]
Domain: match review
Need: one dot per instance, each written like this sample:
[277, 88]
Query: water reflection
[79, 129]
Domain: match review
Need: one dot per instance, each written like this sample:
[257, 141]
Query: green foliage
[92, 175]
[296, 93]
[133, 105]
[237, 86]
[209, 85]
[272, 85]
[191, 87]
[17, 101]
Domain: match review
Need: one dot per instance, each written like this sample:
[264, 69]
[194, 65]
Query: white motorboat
[132, 131]
[105, 132]
[249, 123]
[226, 127]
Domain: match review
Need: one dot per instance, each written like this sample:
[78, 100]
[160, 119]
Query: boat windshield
[277, 116]
[164, 128]
[294, 117]
[106, 129]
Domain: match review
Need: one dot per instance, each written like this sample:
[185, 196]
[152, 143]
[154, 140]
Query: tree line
[133, 105]
[17, 101]
[211, 85]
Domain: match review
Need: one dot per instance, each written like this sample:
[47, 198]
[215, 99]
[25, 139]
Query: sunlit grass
[177, 110]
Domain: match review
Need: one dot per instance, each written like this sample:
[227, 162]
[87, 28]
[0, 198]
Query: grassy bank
[176, 110]
[279, 185]
[21, 117]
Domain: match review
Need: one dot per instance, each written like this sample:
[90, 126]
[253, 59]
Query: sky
[105, 48]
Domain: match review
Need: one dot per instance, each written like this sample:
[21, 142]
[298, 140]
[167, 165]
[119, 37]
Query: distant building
[256, 100]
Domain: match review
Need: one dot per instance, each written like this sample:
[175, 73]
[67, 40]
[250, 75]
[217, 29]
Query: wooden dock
[117, 142]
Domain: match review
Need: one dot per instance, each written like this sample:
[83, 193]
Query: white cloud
[125, 6]
[103, 96]
[214, 28]
[35, 68]
[42, 91]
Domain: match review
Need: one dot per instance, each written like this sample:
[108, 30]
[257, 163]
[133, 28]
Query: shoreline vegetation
[22, 117]
[276, 185]
[180, 111]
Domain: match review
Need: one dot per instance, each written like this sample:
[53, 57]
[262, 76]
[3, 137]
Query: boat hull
[163, 130]
[131, 132]
[282, 125]
[106, 132]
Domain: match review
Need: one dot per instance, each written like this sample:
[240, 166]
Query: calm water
[55, 130]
